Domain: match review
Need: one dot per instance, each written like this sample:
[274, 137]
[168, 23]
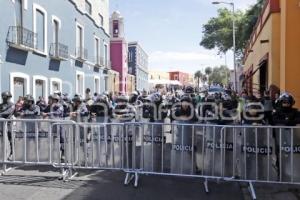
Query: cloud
[161, 56]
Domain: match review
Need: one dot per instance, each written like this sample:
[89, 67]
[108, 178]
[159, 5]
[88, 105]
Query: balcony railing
[21, 38]
[81, 53]
[59, 51]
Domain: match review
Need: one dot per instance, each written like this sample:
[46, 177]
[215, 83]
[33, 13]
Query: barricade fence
[269, 154]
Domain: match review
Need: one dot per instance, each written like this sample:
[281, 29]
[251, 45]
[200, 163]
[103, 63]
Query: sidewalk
[31, 184]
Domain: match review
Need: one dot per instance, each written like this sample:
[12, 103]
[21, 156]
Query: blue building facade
[138, 65]
[52, 45]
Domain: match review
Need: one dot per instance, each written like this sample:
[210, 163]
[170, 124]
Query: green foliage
[219, 75]
[218, 30]
[198, 75]
[208, 71]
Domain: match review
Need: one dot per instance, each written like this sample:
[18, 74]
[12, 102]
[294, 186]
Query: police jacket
[56, 111]
[7, 110]
[286, 116]
[30, 112]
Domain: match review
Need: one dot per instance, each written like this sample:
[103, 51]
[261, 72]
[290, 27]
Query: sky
[170, 31]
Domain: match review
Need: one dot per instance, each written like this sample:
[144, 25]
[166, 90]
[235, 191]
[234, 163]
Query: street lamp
[234, 40]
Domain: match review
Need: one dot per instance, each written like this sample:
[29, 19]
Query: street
[30, 184]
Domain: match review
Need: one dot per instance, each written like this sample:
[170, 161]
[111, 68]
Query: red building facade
[182, 77]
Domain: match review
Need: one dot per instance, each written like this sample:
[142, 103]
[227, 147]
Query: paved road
[31, 184]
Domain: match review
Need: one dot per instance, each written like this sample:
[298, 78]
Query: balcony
[81, 54]
[21, 38]
[59, 51]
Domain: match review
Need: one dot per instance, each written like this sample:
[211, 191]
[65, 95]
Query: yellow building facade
[113, 82]
[272, 59]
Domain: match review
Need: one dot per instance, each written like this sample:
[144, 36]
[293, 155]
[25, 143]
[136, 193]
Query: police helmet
[186, 98]
[29, 98]
[77, 98]
[122, 99]
[189, 90]
[6, 95]
[56, 97]
[106, 93]
[285, 98]
[101, 99]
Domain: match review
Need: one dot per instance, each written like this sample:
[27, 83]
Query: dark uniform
[7, 109]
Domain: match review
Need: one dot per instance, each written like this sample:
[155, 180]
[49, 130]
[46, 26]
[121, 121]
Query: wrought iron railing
[81, 53]
[59, 51]
[21, 37]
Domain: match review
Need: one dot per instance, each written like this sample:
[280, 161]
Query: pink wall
[118, 55]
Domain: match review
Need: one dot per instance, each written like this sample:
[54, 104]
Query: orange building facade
[272, 58]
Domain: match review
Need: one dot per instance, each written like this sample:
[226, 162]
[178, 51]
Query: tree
[219, 75]
[208, 71]
[218, 30]
[198, 75]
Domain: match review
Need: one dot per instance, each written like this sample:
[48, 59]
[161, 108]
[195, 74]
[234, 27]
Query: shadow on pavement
[40, 181]
[109, 186]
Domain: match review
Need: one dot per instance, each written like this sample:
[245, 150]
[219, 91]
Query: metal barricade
[154, 147]
[255, 152]
[183, 148]
[30, 144]
[219, 151]
[287, 158]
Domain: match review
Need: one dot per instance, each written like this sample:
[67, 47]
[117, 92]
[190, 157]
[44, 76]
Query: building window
[97, 85]
[97, 50]
[101, 20]
[55, 31]
[55, 85]
[175, 77]
[19, 12]
[40, 27]
[40, 87]
[88, 7]
[19, 85]
[115, 28]
[80, 83]
[79, 40]
[106, 55]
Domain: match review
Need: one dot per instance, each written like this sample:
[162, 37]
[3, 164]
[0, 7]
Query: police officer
[7, 109]
[56, 112]
[101, 110]
[286, 115]
[123, 110]
[80, 112]
[56, 109]
[67, 105]
[29, 109]
[185, 111]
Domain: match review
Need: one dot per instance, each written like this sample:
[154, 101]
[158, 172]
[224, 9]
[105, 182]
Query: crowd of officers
[219, 108]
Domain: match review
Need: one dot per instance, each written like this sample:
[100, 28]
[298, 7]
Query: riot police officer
[56, 109]
[284, 113]
[7, 109]
[29, 109]
[186, 111]
[123, 111]
[80, 112]
[56, 112]
[101, 110]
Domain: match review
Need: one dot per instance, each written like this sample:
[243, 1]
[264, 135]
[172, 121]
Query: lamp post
[234, 39]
